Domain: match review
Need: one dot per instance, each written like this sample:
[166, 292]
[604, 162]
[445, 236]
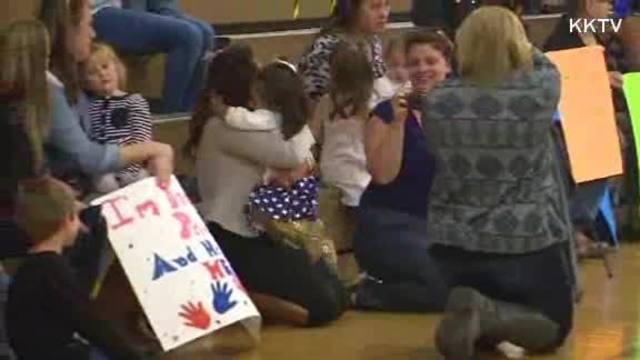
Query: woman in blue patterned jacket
[498, 213]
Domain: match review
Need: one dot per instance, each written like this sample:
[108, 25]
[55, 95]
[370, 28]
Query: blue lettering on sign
[184, 261]
[211, 249]
[161, 267]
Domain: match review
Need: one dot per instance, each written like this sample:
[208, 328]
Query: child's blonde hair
[42, 207]
[24, 53]
[102, 53]
[351, 81]
[492, 44]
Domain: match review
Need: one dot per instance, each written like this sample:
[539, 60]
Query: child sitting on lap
[47, 311]
[115, 117]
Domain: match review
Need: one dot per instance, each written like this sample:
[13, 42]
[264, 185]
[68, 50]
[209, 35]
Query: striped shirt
[120, 120]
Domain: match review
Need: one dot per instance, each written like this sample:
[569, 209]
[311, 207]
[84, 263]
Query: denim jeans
[392, 247]
[184, 39]
[541, 280]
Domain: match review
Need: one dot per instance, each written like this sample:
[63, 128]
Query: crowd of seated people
[421, 152]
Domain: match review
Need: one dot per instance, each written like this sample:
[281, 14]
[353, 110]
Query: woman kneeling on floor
[497, 211]
[391, 243]
[284, 282]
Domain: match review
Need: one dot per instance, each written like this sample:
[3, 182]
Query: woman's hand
[400, 105]
[161, 164]
[159, 157]
[616, 79]
[286, 178]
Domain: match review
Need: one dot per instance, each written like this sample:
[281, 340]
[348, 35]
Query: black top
[46, 308]
[563, 39]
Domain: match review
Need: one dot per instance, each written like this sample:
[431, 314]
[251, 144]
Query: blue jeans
[392, 247]
[184, 39]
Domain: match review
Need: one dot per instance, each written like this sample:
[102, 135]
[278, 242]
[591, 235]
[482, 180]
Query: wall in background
[221, 11]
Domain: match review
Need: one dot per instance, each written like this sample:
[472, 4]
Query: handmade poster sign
[632, 93]
[182, 279]
[588, 115]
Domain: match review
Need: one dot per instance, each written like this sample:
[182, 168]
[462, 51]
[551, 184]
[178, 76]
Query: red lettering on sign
[122, 220]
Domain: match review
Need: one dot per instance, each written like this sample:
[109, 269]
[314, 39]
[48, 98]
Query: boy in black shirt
[48, 313]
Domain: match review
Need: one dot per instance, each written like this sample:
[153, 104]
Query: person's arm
[259, 120]
[303, 143]
[384, 140]
[140, 116]
[266, 148]
[67, 135]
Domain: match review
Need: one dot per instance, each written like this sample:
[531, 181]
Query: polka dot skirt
[300, 202]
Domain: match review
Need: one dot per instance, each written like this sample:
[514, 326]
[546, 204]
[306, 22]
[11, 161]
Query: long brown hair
[343, 16]
[23, 84]
[230, 76]
[351, 81]
[282, 91]
[59, 16]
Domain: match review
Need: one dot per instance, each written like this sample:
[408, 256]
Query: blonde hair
[42, 207]
[492, 45]
[24, 53]
[102, 53]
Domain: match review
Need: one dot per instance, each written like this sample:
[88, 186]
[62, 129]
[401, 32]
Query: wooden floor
[606, 328]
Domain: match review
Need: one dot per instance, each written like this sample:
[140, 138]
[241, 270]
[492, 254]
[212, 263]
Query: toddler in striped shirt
[115, 117]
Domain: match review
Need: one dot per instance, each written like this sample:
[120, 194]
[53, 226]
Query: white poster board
[182, 279]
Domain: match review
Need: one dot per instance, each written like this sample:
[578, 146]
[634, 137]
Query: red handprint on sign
[196, 316]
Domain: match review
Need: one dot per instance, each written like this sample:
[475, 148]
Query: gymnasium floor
[607, 327]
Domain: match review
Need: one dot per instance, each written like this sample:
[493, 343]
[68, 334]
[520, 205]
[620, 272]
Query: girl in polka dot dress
[285, 204]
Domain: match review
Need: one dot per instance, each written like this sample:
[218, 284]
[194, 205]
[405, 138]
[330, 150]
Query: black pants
[274, 269]
[540, 280]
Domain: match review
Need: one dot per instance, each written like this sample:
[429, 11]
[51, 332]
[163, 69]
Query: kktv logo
[594, 26]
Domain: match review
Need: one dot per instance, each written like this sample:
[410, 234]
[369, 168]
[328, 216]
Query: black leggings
[539, 280]
[274, 269]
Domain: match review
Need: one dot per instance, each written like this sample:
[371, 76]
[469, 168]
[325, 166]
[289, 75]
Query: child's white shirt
[384, 89]
[258, 120]
[265, 120]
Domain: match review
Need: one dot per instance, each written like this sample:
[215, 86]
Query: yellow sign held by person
[632, 93]
[588, 115]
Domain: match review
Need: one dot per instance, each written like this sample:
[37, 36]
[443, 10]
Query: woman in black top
[585, 197]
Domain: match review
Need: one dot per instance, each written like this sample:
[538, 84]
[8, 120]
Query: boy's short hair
[42, 207]
[436, 39]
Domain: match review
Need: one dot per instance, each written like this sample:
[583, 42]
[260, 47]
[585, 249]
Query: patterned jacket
[314, 66]
[497, 187]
